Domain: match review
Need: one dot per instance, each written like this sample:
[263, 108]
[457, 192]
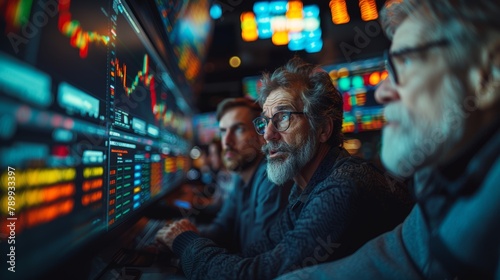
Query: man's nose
[386, 92]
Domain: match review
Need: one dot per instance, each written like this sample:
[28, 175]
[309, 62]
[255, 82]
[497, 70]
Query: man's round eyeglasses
[280, 120]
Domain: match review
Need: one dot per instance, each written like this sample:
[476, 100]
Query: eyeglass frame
[391, 69]
[267, 120]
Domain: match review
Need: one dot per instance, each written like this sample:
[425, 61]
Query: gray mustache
[279, 147]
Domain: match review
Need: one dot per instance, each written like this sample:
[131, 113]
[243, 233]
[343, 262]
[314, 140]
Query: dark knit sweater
[346, 203]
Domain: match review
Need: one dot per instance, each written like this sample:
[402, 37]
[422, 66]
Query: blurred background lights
[311, 11]
[195, 152]
[215, 11]
[357, 82]
[344, 83]
[338, 8]
[285, 23]
[384, 75]
[374, 78]
[352, 145]
[278, 7]
[333, 74]
[368, 10]
[235, 62]
[261, 8]
[343, 72]
[340, 14]
[248, 27]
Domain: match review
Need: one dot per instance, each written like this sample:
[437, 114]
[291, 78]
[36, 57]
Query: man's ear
[326, 130]
[488, 88]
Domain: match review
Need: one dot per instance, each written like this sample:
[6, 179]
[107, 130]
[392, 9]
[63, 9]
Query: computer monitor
[357, 82]
[206, 128]
[94, 128]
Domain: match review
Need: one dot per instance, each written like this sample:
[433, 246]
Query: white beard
[414, 143]
[279, 170]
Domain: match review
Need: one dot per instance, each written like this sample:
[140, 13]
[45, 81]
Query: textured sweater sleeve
[385, 257]
[312, 239]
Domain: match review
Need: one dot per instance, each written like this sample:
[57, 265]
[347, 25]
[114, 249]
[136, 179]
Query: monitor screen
[206, 128]
[184, 38]
[93, 128]
[251, 87]
[357, 82]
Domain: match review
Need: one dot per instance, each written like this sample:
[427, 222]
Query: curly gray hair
[322, 101]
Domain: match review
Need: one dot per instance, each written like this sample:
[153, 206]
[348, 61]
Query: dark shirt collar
[462, 175]
[259, 169]
[457, 165]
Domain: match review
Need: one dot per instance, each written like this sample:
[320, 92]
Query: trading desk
[136, 255]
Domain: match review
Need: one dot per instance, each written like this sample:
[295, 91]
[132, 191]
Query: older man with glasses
[442, 105]
[337, 203]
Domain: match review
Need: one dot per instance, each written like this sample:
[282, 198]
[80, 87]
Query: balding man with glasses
[337, 202]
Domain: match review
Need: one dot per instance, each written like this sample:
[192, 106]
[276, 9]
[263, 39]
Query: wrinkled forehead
[282, 100]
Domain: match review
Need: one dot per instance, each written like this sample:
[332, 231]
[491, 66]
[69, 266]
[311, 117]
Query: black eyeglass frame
[393, 74]
[266, 121]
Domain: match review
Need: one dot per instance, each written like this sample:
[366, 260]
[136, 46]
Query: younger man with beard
[254, 203]
[337, 202]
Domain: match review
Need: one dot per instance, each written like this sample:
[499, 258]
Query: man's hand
[168, 233]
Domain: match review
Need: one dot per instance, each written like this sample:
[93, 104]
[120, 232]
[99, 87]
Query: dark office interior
[106, 105]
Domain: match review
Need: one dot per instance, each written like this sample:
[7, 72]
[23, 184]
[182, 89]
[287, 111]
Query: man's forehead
[410, 33]
[234, 116]
[280, 100]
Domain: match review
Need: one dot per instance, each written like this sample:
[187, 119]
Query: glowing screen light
[368, 10]
[384, 75]
[339, 12]
[279, 24]
[357, 82]
[264, 27]
[261, 8]
[216, 11]
[278, 7]
[248, 27]
[311, 11]
[235, 62]
[374, 78]
[285, 22]
[344, 83]
[314, 46]
[280, 38]
[296, 41]
[294, 10]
